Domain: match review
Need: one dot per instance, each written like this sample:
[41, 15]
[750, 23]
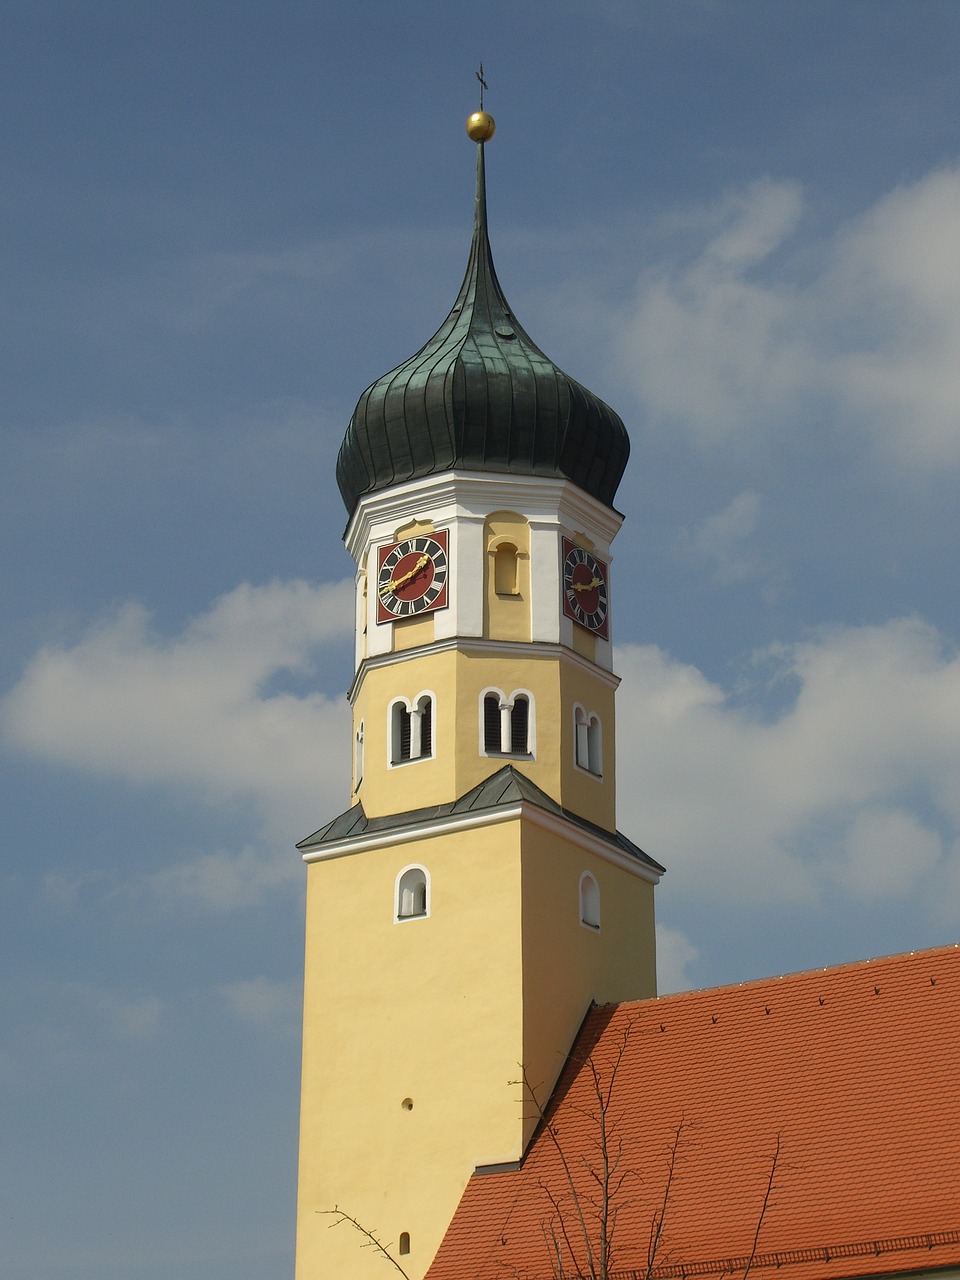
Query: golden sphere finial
[481, 126]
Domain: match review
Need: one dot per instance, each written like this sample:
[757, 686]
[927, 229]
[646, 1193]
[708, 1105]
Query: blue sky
[737, 222]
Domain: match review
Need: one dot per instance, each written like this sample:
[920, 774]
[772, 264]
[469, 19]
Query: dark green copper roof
[506, 787]
[481, 396]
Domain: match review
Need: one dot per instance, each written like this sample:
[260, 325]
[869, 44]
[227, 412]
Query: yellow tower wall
[456, 678]
[426, 1009]
[417, 1031]
[444, 1011]
[567, 965]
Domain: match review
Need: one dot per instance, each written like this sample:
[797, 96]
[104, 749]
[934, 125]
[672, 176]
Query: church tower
[464, 913]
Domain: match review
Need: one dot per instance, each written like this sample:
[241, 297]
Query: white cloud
[885, 851]
[850, 784]
[897, 272]
[60, 1024]
[192, 710]
[723, 539]
[227, 881]
[676, 955]
[60, 890]
[124, 1017]
[945, 908]
[709, 347]
[754, 223]
[263, 1004]
[730, 343]
[195, 712]
[853, 785]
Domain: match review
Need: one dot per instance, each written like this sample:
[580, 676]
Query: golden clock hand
[586, 586]
[398, 582]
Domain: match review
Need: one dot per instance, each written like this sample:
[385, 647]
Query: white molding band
[482, 648]
[523, 810]
[452, 493]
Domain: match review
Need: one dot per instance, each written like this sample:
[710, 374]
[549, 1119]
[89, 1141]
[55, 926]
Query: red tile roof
[832, 1095]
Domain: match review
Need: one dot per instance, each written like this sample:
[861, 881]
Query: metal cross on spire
[483, 84]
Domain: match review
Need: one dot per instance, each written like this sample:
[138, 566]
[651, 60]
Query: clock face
[584, 589]
[412, 576]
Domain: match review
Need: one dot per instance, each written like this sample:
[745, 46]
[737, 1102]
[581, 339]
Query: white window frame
[506, 723]
[400, 917]
[587, 741]
[589, 902]
[358, 756]
[414, 710]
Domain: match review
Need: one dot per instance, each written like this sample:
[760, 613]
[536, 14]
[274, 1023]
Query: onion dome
[481, 396]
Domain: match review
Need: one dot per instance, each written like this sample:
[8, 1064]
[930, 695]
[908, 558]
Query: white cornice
[537, 650]
[469, 492]
[522, 810]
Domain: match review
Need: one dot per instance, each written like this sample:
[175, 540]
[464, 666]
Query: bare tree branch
[600, 1200]
[586, 1211]
[659, 1217]
[372, 1242]
[763, 1207]
[551, 1132]
[554, 1239]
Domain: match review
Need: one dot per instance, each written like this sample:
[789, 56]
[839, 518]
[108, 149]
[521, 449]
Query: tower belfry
[476, 898]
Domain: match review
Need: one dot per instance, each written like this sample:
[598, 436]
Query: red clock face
[412, 576]
[584, 589]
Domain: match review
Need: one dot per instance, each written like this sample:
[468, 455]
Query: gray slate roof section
[508, 786]
[481, 396]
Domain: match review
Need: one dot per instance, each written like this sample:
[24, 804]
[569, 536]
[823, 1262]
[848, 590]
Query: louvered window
[491, 723]
[519, 726]
[589, 741]
[425, 707]
[411, 732]
[402, 751]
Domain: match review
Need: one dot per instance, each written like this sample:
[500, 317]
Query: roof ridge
[772, 979]
[507, 785]
[808, 1253]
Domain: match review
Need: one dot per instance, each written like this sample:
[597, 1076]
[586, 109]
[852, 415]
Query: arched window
[519, 726]
[399, 733]
[491, 723]
[506, 724]
[594, 746]
[589, 901]
[358, 755]
[412, 894]
[505, 575]
[404, 1246]
[411, 730]
[588, 741]
[424, 714]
